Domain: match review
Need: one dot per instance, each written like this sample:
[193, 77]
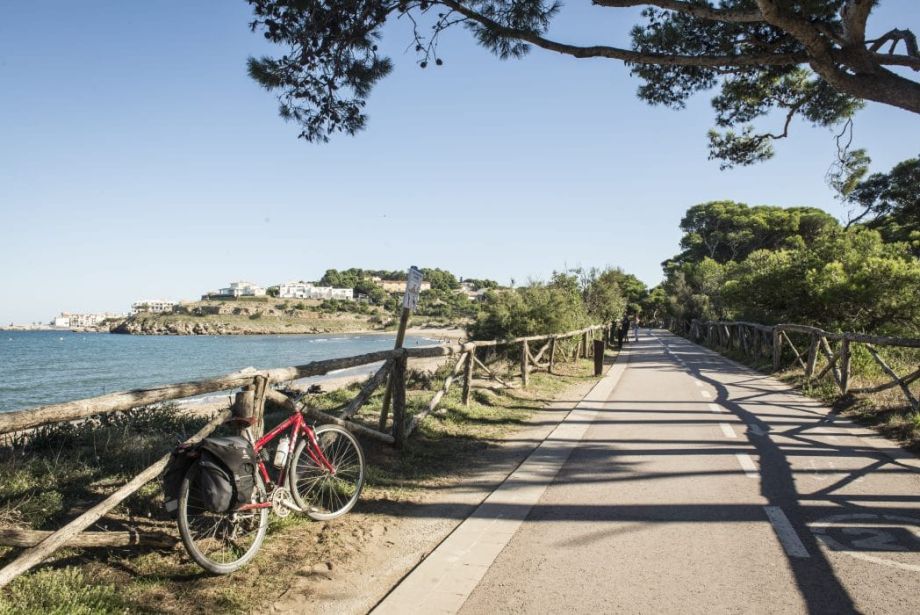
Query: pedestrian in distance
[636, 327]
[623, 331]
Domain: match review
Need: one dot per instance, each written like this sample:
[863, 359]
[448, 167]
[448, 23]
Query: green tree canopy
[440, 279]
[604, 297]
[535, 309]
[351, 278]
[814, 59]
[480, 284]
[847, 280]
[727, 231]
[890, 203]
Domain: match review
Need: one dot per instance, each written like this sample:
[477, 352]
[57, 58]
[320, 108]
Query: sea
[43, 367]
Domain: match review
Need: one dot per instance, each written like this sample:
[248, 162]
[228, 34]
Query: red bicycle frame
[299, 426]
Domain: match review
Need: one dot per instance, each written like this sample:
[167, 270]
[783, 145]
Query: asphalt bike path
[685, 482]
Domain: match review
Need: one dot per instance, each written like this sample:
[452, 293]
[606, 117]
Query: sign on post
[413, 287]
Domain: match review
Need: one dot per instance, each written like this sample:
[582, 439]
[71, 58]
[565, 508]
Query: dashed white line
[728, 431]
[705, 393]
[747, 464]
[757, 431]
[716, 408]
[785, 532]
[698, 383]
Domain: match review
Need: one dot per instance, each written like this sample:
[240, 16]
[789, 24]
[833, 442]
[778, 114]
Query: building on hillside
[236, 290]
[469, 289]
[71, 320]
[154, 306]
[398, 286]
[344, 294]
[307, 290]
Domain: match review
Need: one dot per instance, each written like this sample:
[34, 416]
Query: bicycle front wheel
[322, 494]
[219, 542]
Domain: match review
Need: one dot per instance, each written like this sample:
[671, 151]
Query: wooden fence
[761, 341]
[256, 388]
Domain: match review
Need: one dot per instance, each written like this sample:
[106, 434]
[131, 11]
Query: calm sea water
[42, 367]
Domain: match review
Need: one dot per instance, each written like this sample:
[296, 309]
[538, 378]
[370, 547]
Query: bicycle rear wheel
[322, 494]
[219, 542]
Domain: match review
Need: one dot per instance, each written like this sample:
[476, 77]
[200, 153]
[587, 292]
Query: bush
[534, 309]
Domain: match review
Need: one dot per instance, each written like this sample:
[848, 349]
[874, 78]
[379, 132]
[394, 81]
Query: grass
[62, 469]
[886, 411]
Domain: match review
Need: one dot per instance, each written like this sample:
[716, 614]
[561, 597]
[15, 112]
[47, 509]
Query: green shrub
[60, 592]
[535, 309]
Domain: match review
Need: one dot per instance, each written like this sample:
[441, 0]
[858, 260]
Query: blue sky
[139, 161]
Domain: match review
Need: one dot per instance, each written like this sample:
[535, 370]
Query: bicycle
[323, 478]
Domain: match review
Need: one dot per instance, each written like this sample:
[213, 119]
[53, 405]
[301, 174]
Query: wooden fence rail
[257, 389]
[758, 341]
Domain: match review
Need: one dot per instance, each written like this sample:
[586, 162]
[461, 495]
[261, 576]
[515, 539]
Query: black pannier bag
[227, 467]
[226, 460]
[179, 462]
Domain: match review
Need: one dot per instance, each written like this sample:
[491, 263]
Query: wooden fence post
[243, 407]
[777, 348]
[598, 357]
[584, 345]
[844, 366]
[525, 359]
[812, 357]
[398, 380]
[260, 385]
[468, 376]
[552, 354]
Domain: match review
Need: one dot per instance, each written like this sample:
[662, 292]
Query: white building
[468, 289]
[241, 289]
[156, 306]
[307, 290]
[71, 320]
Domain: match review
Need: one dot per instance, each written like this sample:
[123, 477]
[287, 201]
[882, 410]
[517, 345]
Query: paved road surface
[685, 483]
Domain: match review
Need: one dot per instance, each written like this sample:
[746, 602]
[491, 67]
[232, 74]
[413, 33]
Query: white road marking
[757, 431]
[785, 532]
[863, 531]
[716, 408]
[698, 383]
[705, 393]
[728, 431]
[747, 464]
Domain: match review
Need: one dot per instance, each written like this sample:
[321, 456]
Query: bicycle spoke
[322, 492]
[220, 542]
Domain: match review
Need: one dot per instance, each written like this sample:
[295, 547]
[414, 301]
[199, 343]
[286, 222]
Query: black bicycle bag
[179, 462]
[227, 473]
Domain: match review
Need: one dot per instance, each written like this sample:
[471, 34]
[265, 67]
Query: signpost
[409, 303]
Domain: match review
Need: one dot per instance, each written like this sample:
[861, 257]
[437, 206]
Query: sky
[139, 161]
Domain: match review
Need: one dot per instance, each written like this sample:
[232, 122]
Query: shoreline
[445, 333]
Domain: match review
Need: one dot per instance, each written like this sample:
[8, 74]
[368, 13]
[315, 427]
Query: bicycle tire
[315, 490]
[190, 512]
